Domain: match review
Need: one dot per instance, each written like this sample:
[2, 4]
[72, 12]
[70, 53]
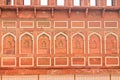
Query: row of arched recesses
[78, 44]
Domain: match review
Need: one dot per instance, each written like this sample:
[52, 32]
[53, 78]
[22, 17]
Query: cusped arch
[20, 38]
[89, 37]
[27, 34]
[5, 35]
[80, 34]
[44, 33]
[60, 33]
[9, 34]
[111, 33]
[117, 43]
[94, 33]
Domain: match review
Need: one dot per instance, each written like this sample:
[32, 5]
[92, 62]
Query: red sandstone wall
[60, 37]
[60, 41]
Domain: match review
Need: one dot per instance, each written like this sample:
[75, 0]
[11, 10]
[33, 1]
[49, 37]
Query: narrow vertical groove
[38, 77]
[74, 77]
[110, 76]
[1, 77]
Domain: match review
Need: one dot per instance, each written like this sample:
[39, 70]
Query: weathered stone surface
[59, 39]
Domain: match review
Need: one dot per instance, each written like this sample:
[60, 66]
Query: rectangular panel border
[94, 57]
[61, 65]
[61, 27]
[43, 65]
[111, 64]
[78, 21]
[78, 65]
[43, 27]
[93, 27]
[27, 27]
[9, 21]
[110, 21]
[8, 65]
[26, 65]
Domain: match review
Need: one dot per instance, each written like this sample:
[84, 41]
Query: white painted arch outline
[116, 36]
[5, 36]
[61, 33]
[83, 37]
[20, 38]
[97, 34]
[44, 33]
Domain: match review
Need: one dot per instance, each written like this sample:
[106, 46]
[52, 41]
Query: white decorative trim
[111, 64]
[80, 4]
[9, 21]
[32, 26]
[97, 34]
[3, 40]
[20, 76]
[43, 26]
[60, 4]
[61, 33]
[2, 64]
[44, 1]
[62, 58]
[110, 27]
[93, 64]
[21, 38]
[45, 58]
[94, 27]
[76, 26]
[12, 2]
[46, 35]
[78, 64]
[79, 35]
[111, 33]
[61, 27]
[27, 2]
[26, 65]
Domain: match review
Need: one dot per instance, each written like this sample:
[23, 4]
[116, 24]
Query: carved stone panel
[26, 44]
[94, 44]
[77, 44]
[9, 45]
[61, 44]
[111, 44]
[43, 44]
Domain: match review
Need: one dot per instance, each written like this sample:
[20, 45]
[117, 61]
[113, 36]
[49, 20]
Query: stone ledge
[57, 71]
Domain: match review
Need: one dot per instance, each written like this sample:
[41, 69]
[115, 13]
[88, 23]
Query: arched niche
[60, 46]
[78, 44]
[9, 45]
[95, 44]
[43, 42]
[26, 45]
[111, 43]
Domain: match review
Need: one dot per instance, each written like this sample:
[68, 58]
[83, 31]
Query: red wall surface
[69, 39]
